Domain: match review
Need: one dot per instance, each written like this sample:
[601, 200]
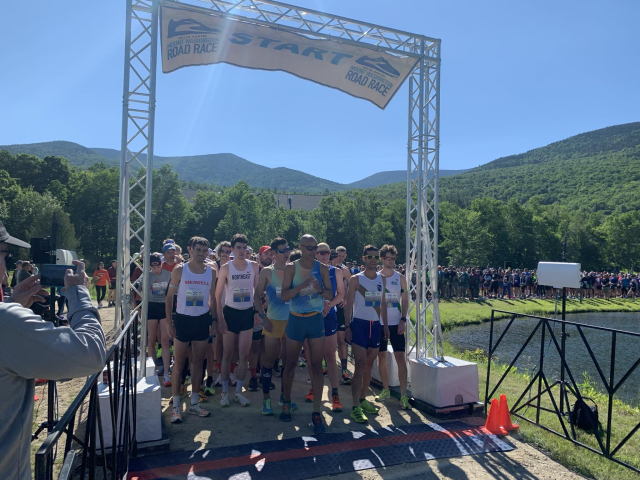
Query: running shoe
[224, 401]
[167, 381]
[318, 426]
[384, 394]
[404, 403]
[309, 397]
[187, 380]
[336, 406]
[198, 410]
[294, 406]
[301, 362]
[285, 414]
[325, 372]
[232, 379]
[253, 384]
[209, 391]
[367, 407]
[266, 407]
[241, 399]
[202, 397]
[358, 416]
[176, 415]
[346, 379]
[218, 381]
[309, 380]
[182, 391]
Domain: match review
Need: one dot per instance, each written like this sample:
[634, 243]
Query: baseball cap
[6, 238]
[263, 249]
[167, 247]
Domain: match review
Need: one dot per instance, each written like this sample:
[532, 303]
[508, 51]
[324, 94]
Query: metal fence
[551, 355]
[83, 455]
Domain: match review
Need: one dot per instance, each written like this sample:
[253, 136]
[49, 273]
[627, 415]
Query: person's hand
[325, 308]
[213, 329]
[256, 319]
[268, 326]
[222, 325]
[307, 282]
[78, 278]
[387, 333]
[343, 303]
[402, 326]
[28, 291]
[172, 331]
[348, 334]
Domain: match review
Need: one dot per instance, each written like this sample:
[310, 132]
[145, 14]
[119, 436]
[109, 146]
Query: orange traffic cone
[505, 416]
[493, 420]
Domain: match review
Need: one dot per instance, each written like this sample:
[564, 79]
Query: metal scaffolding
[134, 222]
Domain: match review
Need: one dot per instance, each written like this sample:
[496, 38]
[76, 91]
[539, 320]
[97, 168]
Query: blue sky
[516, 75]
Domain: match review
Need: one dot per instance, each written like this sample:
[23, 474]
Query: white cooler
[148, 412]
[444, 384]
[392, 369]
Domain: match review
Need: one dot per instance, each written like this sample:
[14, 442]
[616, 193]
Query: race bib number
[159, 288]
[392, 300]
[241, 295]
[195, 298]
[372, 299]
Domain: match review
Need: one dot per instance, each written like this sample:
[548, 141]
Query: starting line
[312, 456]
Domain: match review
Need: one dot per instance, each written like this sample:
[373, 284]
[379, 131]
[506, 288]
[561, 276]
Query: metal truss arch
[138, 117]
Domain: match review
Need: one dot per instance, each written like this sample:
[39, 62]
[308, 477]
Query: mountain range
[222, 169]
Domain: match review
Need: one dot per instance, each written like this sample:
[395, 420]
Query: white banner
[195, 38]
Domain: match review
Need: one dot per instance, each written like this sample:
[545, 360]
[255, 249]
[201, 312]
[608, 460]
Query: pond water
[627, 350]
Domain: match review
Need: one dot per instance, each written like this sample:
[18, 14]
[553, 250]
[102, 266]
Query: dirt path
[237, 425]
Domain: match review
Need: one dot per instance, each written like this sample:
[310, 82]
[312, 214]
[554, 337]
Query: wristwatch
[262, 316]
[404, 319]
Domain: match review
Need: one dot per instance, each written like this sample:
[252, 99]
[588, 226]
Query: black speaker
[40, 250]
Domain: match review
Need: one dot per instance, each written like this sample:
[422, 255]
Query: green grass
[576, 458]
[456, 313]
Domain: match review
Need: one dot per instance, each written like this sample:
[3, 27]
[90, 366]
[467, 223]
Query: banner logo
[188, 26]
[379, 64]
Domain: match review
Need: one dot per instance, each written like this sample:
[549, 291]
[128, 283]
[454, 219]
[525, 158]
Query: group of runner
[229, 314]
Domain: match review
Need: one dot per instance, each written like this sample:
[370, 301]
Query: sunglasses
[372, 257]
[390, 258]
[225, 252]
[284, 250]
[324, 253]
[311, 248]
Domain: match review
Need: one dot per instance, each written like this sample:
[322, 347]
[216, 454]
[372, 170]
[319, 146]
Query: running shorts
[112, 285]
[301, 328]
[278, 329]
[193, 329]
[397, 340]
[365, 334]
[238, 320]
[330, 324]
[156, 311]
[340, 316]
[257, 335]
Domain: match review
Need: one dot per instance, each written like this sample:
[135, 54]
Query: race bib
[195, 298]
[159, 288]
[392, 300]
[241, 295]
[372, 299]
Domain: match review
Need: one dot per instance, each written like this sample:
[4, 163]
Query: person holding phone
[101, 279]
[75, 351]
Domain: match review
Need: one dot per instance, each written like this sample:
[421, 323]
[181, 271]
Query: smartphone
[53, 275]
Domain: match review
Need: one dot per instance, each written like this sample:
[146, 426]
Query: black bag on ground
[581, 412]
